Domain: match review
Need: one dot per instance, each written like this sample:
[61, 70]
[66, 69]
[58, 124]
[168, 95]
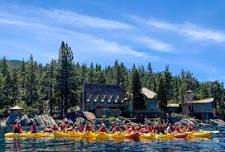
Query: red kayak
[133, 136]
[180, 135]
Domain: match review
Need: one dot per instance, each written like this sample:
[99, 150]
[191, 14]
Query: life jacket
[143, 130]
[54, 128]
[189, 129]
[115, 129]
[62, 127]
[89, 128]
[102, 129]
[17, 128]
[33, 129]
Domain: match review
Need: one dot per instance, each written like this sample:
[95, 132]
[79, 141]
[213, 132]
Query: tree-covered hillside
[36, 86]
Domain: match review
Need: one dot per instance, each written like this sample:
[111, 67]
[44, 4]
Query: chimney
[189, 96]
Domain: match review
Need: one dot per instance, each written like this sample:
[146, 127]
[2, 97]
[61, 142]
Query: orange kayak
[133, 136]
[180, 135]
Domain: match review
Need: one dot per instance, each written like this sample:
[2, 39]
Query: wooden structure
[152, 108]
[104, 100]
[202, 109]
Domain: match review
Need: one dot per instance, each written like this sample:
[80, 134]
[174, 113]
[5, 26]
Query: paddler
[116, 128]
[102, 128]
[17, 127]
[55, 128]
[144, 129]
[189, 128]
[33, 127]
[88, 127]
[69, 125]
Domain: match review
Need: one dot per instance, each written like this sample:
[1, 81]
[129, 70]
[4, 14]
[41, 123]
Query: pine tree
[162, 94]
[7, 90]
[168, 85]
[31, 83]
[138, 99]
[4, 68]
[91, 74]
[15, 87]
[65, 77]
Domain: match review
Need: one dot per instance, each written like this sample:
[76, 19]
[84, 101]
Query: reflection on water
[215, 144]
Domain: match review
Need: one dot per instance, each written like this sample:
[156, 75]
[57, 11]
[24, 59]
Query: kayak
[164, 136]
[180, 135]
[118, 135]
[89, 135]
[61, 134]
[205, 134]
[29, 135]
[75, 134]
[102, 136]
[149, 136]
[133, 136]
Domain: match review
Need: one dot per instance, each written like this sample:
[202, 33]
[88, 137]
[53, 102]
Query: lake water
[217, 143]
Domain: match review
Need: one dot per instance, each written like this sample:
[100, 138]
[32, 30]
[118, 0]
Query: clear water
[217, 143]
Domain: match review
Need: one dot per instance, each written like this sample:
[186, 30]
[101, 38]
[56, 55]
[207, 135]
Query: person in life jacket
[102, 128]
[17, 128]
[189, 128]
[48, 129]
[116, 128]
[55, 128]
[69, 125]
[33, 127]
[88, 127]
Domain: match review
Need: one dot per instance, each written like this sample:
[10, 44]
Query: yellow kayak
[102, 136]
[28, 135]
[164, 136]
[75, 134]
[89, 135]
[205, 134]
[148, 136]
[61, 134]
[118, 135]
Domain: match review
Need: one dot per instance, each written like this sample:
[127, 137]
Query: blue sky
[186, 34]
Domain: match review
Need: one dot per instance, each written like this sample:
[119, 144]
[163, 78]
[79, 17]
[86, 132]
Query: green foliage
[66, 79]
[36, 87]
[138, 99]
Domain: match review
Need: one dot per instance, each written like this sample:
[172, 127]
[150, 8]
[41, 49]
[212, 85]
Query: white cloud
[89, 41]
[155, 44]
[85, 20]
[191, 31]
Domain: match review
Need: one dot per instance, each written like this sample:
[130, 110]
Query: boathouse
[104, 99]
[201, 109]
[152, 108]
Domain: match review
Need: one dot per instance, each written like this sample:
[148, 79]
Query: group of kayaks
[111, 136]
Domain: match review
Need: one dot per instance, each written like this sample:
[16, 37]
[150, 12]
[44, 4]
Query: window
[110, 99]
[89, 98]
[117, 99]
[96, 98]
[103, 98]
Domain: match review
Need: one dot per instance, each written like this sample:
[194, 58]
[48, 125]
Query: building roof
[103, 93]
[148, 93]
[207, 100]
[173, 105]
[189, 91]
[16, 108]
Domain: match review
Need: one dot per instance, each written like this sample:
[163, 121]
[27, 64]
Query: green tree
[162, 94]
[138, 100]
[15, 87]
[31, 83]
[4, 67]
[65, 77]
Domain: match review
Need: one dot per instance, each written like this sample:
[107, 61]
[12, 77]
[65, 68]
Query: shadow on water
[217, 143]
